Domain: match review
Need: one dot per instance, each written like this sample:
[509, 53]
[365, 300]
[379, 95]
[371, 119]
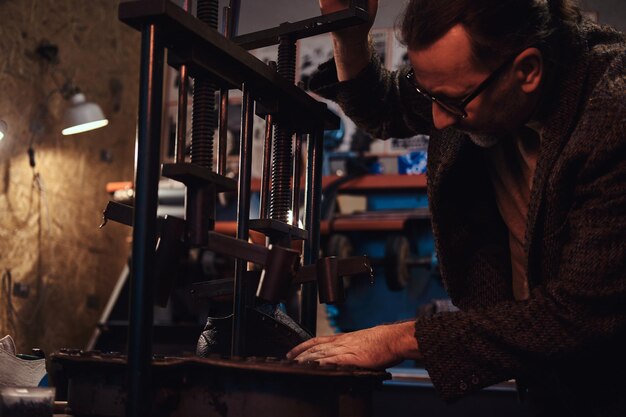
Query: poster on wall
[399, 56]
[266, 54]
[379, 39]
[312, 52]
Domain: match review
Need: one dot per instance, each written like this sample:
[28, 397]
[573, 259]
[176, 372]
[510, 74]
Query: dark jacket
[568, 341]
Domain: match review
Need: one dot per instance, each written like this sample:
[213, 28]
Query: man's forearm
[405, 344]
[351, 45]
[351, 57]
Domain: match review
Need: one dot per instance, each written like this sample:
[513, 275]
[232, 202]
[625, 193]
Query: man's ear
[528, 69]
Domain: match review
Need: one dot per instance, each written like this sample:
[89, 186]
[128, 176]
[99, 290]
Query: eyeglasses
[456, 107]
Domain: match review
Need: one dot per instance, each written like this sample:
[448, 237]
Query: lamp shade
[82, 116]
[3, 129]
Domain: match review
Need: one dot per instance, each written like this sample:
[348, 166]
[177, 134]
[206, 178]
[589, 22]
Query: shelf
[378, 221]
[373, 183]
[378, 183]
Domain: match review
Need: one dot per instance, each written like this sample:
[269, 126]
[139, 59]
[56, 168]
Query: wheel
[397, 253]
[339, 245]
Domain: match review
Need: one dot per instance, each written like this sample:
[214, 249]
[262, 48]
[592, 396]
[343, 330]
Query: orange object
[111, 187]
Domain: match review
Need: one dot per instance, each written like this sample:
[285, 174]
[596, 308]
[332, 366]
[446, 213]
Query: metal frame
[145, 219]
[206, 51]
[203, 51]
[303, 28]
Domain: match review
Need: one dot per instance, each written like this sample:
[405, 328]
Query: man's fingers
[337, 360]
[308, 344]
[329, 6]
[321, 351]
[318, 354]
[310, 355]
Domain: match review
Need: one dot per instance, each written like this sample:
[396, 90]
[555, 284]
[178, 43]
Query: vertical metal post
[282, 157]
[181, 128]
[227, 23]
[223, 130]
[188, 6]
[313, 205]
[267, 163]
[297, 170]
[243, 222]
[267, 160]
[222, 139]
[144, 226]
[235, 7]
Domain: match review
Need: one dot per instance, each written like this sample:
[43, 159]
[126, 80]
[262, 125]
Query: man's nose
[442, 118]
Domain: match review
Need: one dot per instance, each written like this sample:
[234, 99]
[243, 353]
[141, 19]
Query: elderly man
[524, 104]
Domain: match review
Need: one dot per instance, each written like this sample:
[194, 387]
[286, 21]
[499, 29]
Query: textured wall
[49, 236]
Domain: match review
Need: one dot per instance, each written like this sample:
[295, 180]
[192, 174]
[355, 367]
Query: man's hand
[376, 348]
[351, 45]
[354, 33]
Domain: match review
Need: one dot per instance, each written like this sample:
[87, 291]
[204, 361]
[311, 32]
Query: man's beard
[501, 123]
[485, 140]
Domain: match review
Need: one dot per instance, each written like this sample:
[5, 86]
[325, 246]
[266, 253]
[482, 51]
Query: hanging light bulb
[3, 129]
[82, 116]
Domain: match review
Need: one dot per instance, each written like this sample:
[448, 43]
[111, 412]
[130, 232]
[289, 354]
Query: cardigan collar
[557, 127]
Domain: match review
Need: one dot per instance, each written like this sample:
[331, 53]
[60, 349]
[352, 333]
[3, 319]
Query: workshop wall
[257, 15]
[62, 266]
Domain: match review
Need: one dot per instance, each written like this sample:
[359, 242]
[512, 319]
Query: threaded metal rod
[204, 119]
[200, 197]
[282, 162]
[181, 128]
[297, 169]
[207, 12]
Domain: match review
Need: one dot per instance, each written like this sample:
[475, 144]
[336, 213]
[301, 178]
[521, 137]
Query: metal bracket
[118, 212]
[329, 272]
[351, 16]
[191, 174]
[276, 229]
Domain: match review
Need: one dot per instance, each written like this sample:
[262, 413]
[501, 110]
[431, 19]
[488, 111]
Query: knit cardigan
[568, 340]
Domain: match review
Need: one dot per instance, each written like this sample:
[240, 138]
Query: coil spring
[287, 59]
[282, 163]
[204, 119]
[207, 12]
[203, 123]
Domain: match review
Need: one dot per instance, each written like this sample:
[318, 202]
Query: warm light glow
[85, 127]
[3, 129]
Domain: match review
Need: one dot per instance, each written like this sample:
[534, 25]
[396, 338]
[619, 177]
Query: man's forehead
[447, 59]
[451, 52]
